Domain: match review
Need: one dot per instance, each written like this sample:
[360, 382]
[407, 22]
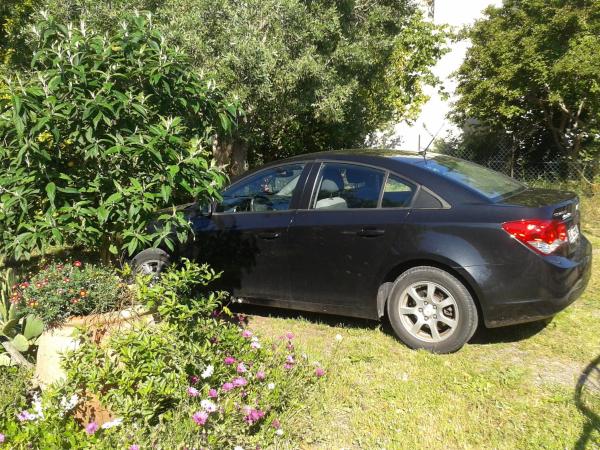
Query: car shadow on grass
[512, 333]
[483, 336]
[587, 386]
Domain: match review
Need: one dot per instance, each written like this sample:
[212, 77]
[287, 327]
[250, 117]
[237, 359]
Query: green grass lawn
[512, 387]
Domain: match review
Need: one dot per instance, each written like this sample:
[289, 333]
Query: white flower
[255, 345]
[338, 337]
[113, 423]
[208, 371]
[68, 405]
[37, 406]
[208, 406]
[237, 447]
[271, 386]
[279, 432]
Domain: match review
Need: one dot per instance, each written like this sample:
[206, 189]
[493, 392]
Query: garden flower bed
[197, 378]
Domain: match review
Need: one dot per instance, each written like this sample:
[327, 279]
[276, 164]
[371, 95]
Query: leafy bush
[106, 130]
[62, 290]
[196, 379]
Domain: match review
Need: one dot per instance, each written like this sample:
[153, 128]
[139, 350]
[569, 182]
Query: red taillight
[543, 236]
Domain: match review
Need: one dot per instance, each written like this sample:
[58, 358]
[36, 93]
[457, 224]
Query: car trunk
[553, 204]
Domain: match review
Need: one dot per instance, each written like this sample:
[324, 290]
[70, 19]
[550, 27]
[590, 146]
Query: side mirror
[207, 210]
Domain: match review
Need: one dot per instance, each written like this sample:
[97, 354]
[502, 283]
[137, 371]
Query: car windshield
[493, 185]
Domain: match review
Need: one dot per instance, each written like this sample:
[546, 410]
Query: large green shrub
[105, 130]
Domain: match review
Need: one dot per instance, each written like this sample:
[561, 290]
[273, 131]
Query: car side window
[397, 193]
[268, 190]
[346, 186]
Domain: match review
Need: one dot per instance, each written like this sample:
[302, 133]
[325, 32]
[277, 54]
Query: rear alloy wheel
[152, 261]
[430, 309]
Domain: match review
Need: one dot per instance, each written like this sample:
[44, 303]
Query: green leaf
[9, 327]
[21, 343]
[113, 249]
[34, 327]
[51, 191]
[102, 214]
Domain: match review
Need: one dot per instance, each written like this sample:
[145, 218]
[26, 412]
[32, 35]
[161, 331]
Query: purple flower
[200, 417]
[212, 393]
[91, 428]
[193, 392]
[240, 381]
[260, 375]
[276, 424]
[253, 416]
[247, 334]
[288, 366]
[289, 335]
[241, 368]
[289, 359]
[319, 372]
[2, 438]
[194, 379]
[134, 447]
[24, 416]
[227, 387]
[229, 360]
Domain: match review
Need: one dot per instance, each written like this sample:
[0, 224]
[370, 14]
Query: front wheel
[152, 261]
[429, 308]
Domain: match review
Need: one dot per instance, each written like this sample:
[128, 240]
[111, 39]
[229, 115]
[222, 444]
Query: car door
[344, 236]
[246, 236]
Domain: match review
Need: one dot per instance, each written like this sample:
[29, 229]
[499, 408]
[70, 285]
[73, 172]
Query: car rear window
[494, 185]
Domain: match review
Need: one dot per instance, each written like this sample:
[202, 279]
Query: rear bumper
[532, 290]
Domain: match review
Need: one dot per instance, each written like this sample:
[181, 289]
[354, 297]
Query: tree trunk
[232, 153]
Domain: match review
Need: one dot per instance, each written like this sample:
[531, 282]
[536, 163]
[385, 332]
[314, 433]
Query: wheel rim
[152, 267]
[428, 312]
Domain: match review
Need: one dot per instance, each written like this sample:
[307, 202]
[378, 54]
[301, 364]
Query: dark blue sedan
[436, 243]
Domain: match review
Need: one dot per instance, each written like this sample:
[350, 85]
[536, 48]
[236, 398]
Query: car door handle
[370, 232]
[269, 235]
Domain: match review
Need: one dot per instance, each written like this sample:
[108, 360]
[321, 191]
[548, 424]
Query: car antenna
[424, 152]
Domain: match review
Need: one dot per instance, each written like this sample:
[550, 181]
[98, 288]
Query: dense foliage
[533, 72]
[309, 75]
[198, 378]
[63, 289]
[104, 131]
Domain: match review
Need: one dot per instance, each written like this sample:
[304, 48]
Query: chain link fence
[507, 161]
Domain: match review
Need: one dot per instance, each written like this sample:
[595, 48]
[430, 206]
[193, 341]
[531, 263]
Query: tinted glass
[268, 190]
[345, 186]
[490, 183]
[397, 193]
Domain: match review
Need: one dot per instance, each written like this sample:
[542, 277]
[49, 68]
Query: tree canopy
[310, 75]
[105, 129]
[533, 71]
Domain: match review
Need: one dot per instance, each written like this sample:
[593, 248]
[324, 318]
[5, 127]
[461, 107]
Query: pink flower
[290, 346]
[2, 438]
[247, 334]
[260, 375]
[91, 428]
[77, 263]
[240, 381]
[319, 372]
[227, 386]
[288, 366]
[255, 345]
[212, 393]
[200, 417]
[241, 368]
[134, 447]
[290, 359]
[253, 416]
[194, 379]
[276, 424]
[229, 360]
[193, 392]
[289, 335]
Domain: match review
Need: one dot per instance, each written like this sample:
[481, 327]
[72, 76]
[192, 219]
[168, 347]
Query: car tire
[431, 309]
[152, 261]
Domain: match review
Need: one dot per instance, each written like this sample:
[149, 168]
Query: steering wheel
[267, 202]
